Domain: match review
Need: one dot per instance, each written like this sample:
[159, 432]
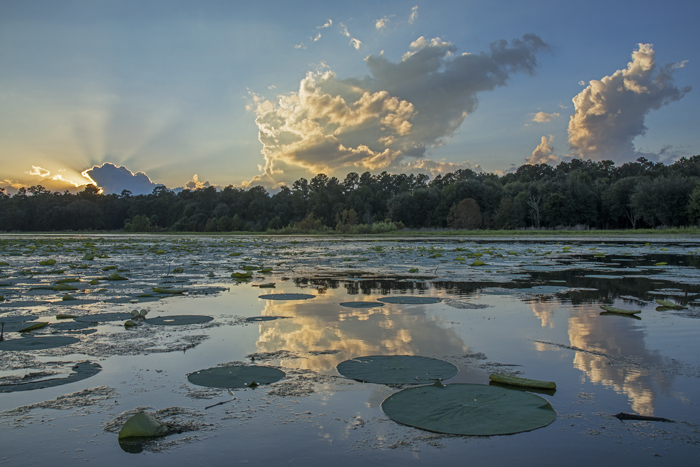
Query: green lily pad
[619, 311]
[410, 300]
[524, 382]
[81, 371]
[469, 409]
[179, 320]
[116, 277]
[287, 296]
[396, 369]
[671, 305]
[143, 424]
[361, 304]
[235, 376]
[37, 343]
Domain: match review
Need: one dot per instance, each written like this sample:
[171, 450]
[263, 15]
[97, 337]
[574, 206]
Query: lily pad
[469, 409]
[81, 371]
[255, 319]
[235, 376]
[37, 343]
[143, 424]
[103, 317]
[410, 300]
[179, 320]
[396, 369]
[524, 382]
[361, 304]
[619, 311]
[287, 296]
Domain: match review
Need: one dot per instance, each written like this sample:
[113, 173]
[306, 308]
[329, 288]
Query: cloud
[113, 179]
[543, 117]
[435, 168]
[544, 153]
[327, 24]
[610, 113]
[39, 172]
[356, 43]
[414, 15]
[381, 24]
[396, 112]
[195, 183]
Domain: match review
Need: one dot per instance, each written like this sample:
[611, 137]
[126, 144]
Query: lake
[526, 307]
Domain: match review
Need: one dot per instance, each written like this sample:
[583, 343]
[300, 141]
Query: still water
[532, 309]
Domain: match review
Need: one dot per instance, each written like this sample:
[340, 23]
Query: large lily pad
[410, 300]
[396, 369]
[235, 376]
[37, 343]
[361, 304]
[81, 371]
[469, 409]
[287, 296]
[179, 320]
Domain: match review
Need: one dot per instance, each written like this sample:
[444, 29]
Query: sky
[132, 94]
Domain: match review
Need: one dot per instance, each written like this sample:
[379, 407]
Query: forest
[580, 194]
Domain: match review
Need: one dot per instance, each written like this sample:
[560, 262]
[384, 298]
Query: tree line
[580, 193]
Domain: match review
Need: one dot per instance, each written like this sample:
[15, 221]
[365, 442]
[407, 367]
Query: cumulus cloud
[394, 113]
[610, 113]
[327, 24]
[544, 153]
[196, 183]
[114, 179]
[544, 117]
[414, 15]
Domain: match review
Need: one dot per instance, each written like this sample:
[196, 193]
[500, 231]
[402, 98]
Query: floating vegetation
[143, 424]
[671, 305]
[396, 369]
[409, 300]
[523, 382]
[619, 311]
[179, 320]
[360, 304]
[237, 376]
[80, 372]
[37, 343]
[287, 296]
[469, 409]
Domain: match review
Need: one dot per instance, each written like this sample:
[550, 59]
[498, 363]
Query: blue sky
[228, 92]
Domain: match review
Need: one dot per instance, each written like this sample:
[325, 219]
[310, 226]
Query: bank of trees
[579, 193]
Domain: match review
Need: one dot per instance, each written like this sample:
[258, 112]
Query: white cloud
[113, 179]
[39, 171]
[318, 36]
[610, 113]
[380, 24]
[414, 15]
[543, 117]
[379, 121]
[435, 168]
[544, 153]
[327, 24]
[356, 43]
